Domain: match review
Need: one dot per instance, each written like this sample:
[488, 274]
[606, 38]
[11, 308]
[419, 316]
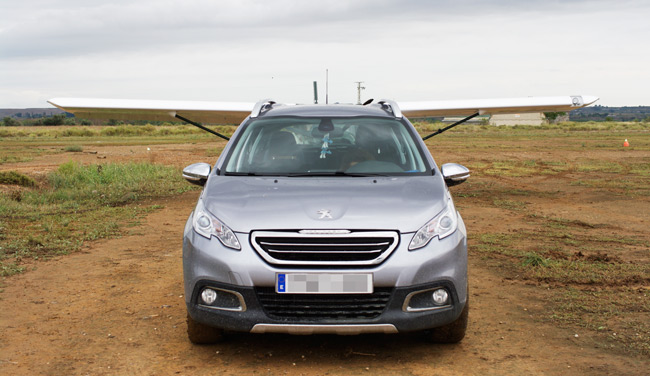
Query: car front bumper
[254, 317]
[244, 274]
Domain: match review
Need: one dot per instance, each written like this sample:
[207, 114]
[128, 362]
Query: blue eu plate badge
[282, 283]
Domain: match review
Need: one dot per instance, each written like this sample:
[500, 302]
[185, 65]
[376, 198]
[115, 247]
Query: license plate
[323, 283]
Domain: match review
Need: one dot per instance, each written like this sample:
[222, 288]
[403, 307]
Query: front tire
[201, 334]
[453, 332]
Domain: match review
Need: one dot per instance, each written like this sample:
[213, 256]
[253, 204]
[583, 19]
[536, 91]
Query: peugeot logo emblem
[324, 214]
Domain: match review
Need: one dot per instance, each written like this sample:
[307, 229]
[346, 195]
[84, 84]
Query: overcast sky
[245, 50]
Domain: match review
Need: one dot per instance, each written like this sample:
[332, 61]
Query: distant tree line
[58, 119]
[604, 113]
[69, 119]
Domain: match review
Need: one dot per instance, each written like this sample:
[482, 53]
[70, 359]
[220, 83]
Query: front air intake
[323, 307]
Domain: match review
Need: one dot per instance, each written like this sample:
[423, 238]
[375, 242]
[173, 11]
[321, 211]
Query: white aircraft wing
[495, 106]
[235, 112]
[129, 109]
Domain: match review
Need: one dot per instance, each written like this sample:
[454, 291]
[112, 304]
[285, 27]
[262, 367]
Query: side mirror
[454, 174]
[197, 173]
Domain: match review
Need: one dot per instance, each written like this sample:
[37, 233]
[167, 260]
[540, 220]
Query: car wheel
[453, 332]
[202, 334]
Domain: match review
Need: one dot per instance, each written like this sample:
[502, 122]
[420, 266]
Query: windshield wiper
[333, 173]
[307, 174]
[242, 174]
[363, 174]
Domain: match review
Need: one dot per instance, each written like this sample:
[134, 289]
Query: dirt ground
[117, 307]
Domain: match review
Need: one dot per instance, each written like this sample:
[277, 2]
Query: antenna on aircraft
[315, 92]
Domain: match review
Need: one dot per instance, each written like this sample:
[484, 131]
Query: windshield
[325, 146]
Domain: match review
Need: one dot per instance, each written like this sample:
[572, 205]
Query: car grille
[318, 249]
[310, 307]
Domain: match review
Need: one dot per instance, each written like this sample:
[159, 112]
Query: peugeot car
[325, 219]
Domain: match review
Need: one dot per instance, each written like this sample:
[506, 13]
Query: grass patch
[564, 257]
[621, 316]
[511, 168]
[563, 127]
[588, 272]
[640, 168]
[25, 152]
[627, 186]
[509, 204]
[124, 130]
[533, 259]
[16, 178]
[563, 223]
[10, 269]
[214, 152]
[599, 166]
[76, 204]
[14, 159]
[74, 148]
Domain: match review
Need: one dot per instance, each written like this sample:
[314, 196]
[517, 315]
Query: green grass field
[75, 204]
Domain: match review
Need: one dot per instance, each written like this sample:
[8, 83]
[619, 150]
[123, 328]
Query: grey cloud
[63, 28]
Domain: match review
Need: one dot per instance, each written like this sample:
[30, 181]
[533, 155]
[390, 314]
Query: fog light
[440, 296]
[208, 296]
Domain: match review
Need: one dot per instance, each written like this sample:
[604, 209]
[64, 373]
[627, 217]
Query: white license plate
[323, 283]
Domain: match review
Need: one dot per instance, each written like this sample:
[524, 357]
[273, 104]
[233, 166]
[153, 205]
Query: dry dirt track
[117, 308]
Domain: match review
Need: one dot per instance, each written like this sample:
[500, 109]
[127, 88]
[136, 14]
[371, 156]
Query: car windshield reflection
[297, 147]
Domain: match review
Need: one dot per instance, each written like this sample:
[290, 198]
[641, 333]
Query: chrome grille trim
[332, 247]
[327, 244]
[316, 252]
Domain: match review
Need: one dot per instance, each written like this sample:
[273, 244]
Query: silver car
[325, 219]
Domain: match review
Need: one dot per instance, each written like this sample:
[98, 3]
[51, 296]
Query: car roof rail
[390, 105]
[263, 105]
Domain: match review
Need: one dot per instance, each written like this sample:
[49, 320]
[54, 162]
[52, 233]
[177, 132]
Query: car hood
[247, 203]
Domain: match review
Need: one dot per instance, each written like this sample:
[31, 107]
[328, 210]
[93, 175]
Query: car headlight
[207, 225]
[443, 225]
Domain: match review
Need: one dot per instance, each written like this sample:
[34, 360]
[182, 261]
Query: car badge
[324, 214]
